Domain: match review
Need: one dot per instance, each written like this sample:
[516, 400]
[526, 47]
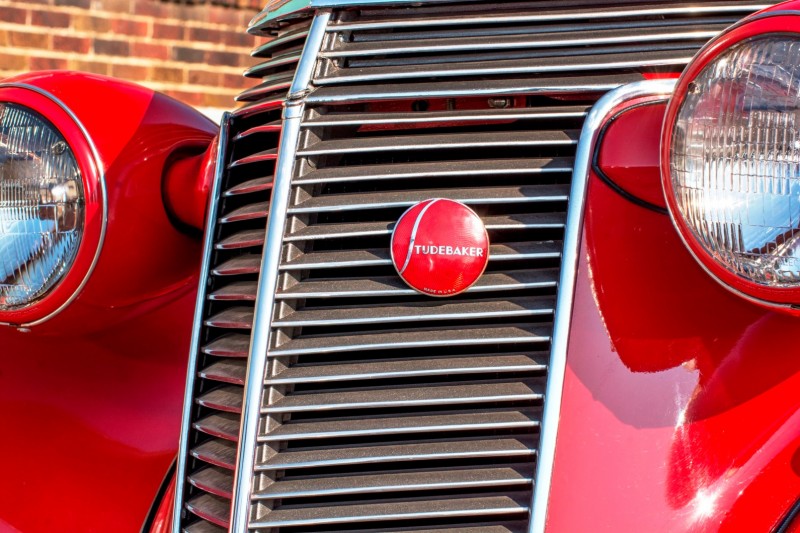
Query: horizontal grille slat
[270, 127]
[395, 340]
[244, 264]
[251, 186]
[231, 345]
[486, 195]
[226, 371]
[484, 66]
[262, 69]
[393, 286]
[486, 420]
[450, 508]
[444, 142]
[204, 527]
[448, 117]
[598, 37]
[227, 399]
[248, 212]
[214, 481]
[453, 89]
[414, 368]
[244, 239]
[290, 37]
[446, 450]
[363, 229]
[233, 318]
[259, 157]
[399, 482]
[222, 425]
[216, 452]
[377, 314]
[429, 396]
[237, 291]
[466, 169]
[211, 508]
[544, 15]
[380, 257]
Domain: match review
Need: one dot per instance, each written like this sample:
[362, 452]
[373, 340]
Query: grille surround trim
[605, 106]
[194, 348]
[269, 274]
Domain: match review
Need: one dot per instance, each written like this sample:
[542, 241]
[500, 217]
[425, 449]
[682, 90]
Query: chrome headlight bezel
[774, 24]
[67, 288]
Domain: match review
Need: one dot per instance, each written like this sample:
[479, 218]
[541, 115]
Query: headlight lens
[735, 160]
[41, 206]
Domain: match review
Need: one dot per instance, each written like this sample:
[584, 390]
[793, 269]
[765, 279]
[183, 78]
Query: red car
[514, 266]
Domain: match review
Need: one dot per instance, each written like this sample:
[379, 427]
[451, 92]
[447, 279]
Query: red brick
[13, 15]
[225, 101]
[221, 15]
[151, 8]
[95, 67]
[174, 75]
[29, 40]
[130, 72]
[150, 51]
[206, 35]
[11, 62]
[85, 4]
[167, 31]
[188, 55]
[91, 24]
[4, 40]
[50, 19]
[203, 77]
[234, 81]
[130, 27]
[118, 6]
[230, 59]
[242, 39]
[48, 63]
[65, 43]
[110, 47]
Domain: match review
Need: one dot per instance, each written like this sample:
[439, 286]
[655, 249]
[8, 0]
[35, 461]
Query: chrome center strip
[191, 373]
[268, 278]
[566, 286]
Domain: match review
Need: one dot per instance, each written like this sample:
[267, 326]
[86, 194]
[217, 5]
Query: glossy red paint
[92, 398]
[162, 521]
[440, 247]
[187, 184]
[679, 409]
[777, 20]
[630, 149]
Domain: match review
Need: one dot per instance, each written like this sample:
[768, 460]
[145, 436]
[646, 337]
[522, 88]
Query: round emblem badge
[440, 247]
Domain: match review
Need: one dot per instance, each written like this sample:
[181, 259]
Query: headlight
[41, 206]
[731, 159]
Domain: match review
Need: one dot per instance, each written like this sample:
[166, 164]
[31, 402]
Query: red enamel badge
[440, 247]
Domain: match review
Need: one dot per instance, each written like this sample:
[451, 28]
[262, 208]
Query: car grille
[382, 409]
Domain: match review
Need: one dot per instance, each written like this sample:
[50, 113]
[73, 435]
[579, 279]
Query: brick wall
[193, 52]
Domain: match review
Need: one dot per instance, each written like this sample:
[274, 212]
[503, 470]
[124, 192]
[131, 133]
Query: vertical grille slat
[371, 407]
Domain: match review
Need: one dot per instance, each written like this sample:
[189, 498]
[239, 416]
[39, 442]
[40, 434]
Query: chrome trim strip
[566, 286]
[308, 58]
[101, 173]
[268, 277]
[194, 350]
[295, 7]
